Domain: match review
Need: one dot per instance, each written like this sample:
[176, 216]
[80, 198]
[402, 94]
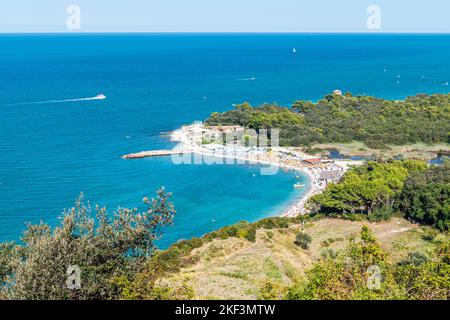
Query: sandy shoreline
[314, 187]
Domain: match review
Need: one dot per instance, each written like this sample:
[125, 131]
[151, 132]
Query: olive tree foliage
[102, 245]
[303, 240]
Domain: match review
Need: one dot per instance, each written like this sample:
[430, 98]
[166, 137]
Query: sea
[57, 142]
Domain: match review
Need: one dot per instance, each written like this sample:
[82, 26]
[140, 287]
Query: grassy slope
[235, 268]
[412, 151]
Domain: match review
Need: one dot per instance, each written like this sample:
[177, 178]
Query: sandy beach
[188, 142]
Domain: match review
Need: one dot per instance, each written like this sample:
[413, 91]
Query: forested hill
[341, 119]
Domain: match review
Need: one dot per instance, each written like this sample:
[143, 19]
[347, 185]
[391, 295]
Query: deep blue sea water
[50, 152]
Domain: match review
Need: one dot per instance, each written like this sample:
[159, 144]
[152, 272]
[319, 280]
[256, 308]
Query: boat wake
[247, 79]
[98, 97]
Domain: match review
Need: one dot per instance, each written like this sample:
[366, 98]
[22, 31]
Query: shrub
[251, 234]
[274, 223]
[182, 292]
[354, 217]
[170, 260]
[303, 240]
[382, 214]
[430, 235]
[414, 259]
[271, 291]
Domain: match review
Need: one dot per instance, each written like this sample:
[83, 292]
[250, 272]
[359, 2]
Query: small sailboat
[101, 96]
[294, 50]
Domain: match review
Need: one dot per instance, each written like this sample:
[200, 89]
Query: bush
[430, 235]
[414, 259]
[189, 245]
[270, 291]
[163, 292]
[381, 214]
[354, 217]
[251, 234]
[303, 240]
[274, 223]
[170, 260]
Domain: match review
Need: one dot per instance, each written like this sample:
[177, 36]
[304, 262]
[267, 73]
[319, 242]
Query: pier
[155, 153]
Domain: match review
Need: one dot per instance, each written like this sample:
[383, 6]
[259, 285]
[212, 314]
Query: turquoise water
[50, 151]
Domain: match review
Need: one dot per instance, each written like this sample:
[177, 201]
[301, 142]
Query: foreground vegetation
[107, 249]
[307, 257]
[275, 258]
[344, 119]
[362, 271]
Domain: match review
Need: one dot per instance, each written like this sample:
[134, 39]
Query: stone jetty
[154, 153]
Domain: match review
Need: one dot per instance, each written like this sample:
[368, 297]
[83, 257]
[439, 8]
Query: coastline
[187, 144]
[299, 207]
[190, 142]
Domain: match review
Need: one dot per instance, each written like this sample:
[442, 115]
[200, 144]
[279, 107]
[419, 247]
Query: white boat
[101, 96]
[294, 50]
[298, 186]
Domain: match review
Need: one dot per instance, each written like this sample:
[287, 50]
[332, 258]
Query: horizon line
[227, 32]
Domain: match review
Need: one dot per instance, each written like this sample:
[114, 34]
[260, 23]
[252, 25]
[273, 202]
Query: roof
[313, 160]
[330, 175]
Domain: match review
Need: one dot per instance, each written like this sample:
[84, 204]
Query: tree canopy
[342, 119]
[366, 188]
[426, 196]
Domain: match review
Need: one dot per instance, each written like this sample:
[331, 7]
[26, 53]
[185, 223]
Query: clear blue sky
[225, 15]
